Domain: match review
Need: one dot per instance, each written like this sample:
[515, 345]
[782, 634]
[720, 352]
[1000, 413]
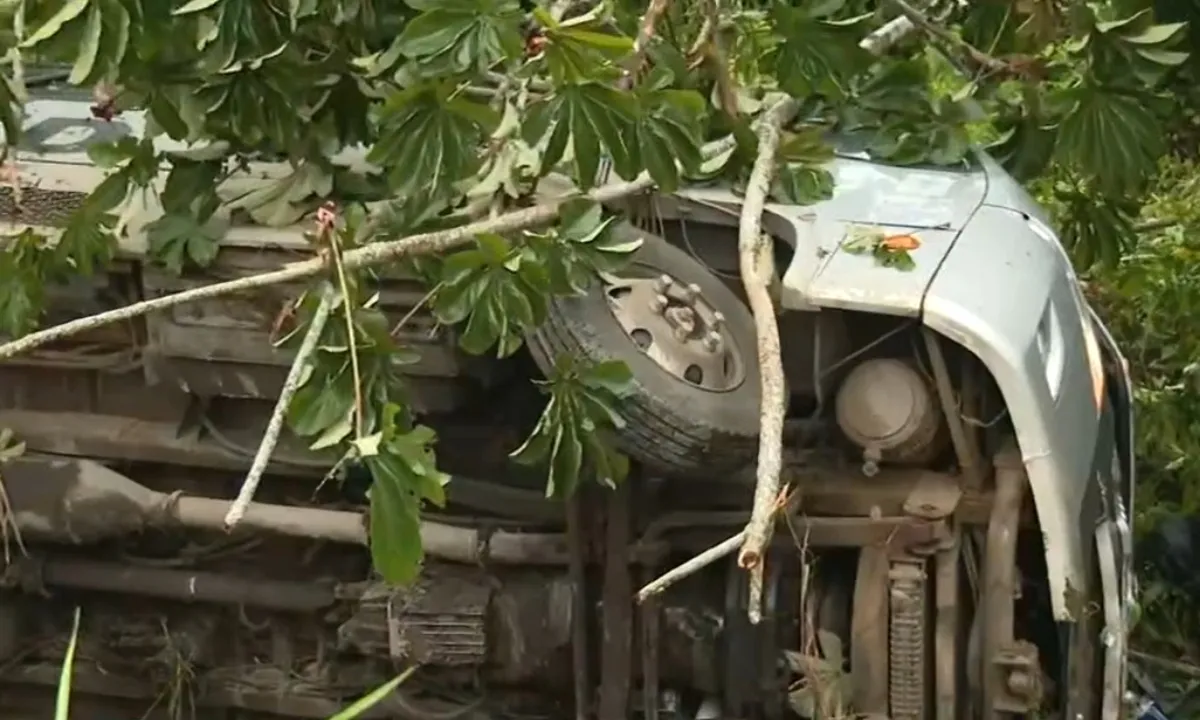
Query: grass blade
[62, 704]
[368, 701]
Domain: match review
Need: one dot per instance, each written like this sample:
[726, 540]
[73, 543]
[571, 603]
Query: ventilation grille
[52, 208]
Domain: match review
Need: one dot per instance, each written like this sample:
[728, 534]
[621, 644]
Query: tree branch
[275, 426]
[691, 566]
[756, 262]
[976, 55]
[370, 255]
[720, 65]
[641, 44]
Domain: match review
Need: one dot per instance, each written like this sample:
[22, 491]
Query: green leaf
[373, 698]
[457, 38]
[394, 521]
[69, 10]
[499, 299]
[85, 61]
[1113, 136]
[109, 155]
[817, 56]
[596, 118]
[178, 241]
[195, 6]
[429, 143]
[570, 437]
[320, 402]
[802, 184]
[62, 701]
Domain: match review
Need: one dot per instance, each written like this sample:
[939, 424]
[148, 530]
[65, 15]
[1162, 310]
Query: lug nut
[658, 304]
[662, 284]
[689, 293]
[712, 342]
[718, 320]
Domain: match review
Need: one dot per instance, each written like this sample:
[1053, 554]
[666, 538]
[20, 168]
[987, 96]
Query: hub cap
[676, 327]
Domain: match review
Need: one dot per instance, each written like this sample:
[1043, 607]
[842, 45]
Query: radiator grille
[38, 206]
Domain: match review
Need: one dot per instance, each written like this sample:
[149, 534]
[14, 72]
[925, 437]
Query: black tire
[674, 428]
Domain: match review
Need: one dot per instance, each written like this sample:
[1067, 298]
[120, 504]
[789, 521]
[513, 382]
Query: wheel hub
[676, 327]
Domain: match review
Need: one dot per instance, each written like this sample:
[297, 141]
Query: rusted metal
[1000, 581]
[581, 672]
[188, 586]
[932, 498]
[1023, 686]
[869, 632]
[616, 653]
[946, 628]
[968, 456]
[650, 615]
[908, 662]
[893, 532]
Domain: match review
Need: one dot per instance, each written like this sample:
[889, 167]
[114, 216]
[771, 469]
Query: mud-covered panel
[235, 331]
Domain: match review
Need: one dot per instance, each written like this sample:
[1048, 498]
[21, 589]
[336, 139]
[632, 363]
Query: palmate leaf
[595, 118]
[585, 244]
[819, 54]
[572, 436]
[581, 48]
[179, 241]
[94, 32]
[494, 293]
[25, 263]
[1112, 135]
[668, 138]
[801, 178]
[429, 140]
[1096, 230]
[461, 35]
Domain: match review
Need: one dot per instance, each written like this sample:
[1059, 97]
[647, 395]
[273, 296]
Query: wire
[232, 446]
[406, 707]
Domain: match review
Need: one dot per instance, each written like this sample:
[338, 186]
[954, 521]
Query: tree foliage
[464, 106]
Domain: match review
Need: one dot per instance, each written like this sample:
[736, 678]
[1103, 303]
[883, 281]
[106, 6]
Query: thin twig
[977, 56]
[1175, 666]
[755, 261]
[351, 337]
[703, 560]
[367, 256]
[708, 557]
[275, 426]
[720, 65]
[641, 44]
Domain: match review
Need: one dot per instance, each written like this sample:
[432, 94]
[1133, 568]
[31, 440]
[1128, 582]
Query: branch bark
[756, 261]
[368, 256]
[275, 426]
[641, 44]
[976, 55]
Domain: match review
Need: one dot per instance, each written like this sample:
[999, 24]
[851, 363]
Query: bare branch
[275, 426]
[720, 65]
[756, 264]
[691, 567]
[641, 44]
[976, 55]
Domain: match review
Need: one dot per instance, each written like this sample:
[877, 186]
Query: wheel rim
[677, 327]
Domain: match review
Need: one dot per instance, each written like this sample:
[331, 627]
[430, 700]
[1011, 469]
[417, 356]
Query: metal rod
[968, 458]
